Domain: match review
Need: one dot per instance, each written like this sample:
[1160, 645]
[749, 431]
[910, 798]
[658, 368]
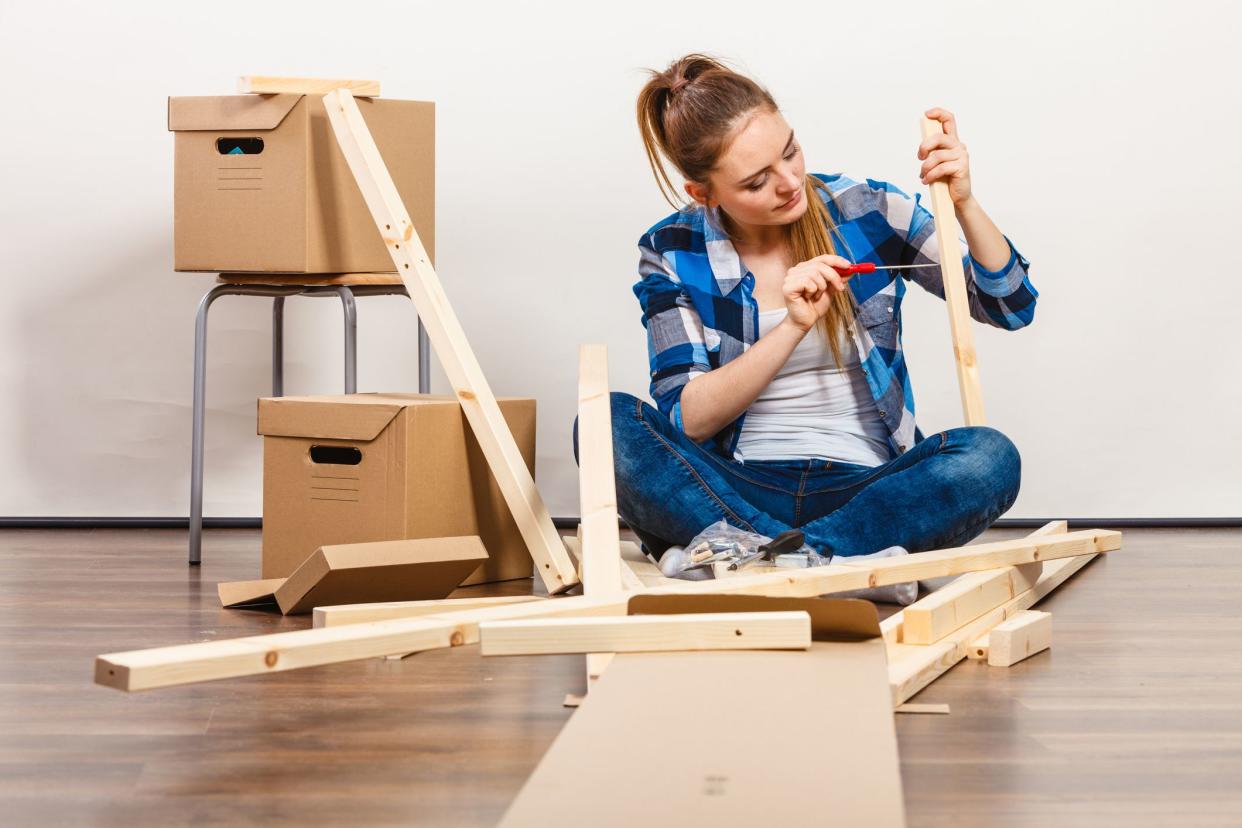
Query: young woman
[782, 396]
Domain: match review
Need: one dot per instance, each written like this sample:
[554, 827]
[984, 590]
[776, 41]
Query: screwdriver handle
[861, 267]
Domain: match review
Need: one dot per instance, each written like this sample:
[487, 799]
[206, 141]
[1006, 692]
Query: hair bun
[678, 84]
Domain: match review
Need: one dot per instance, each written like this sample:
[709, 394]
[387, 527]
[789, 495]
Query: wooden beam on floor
[648, 633]
[449, 340]
[190, 663]
[387, 611]
[1019, 637]
[954, 277]
[934, 616]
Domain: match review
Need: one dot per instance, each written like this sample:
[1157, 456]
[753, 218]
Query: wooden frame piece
[648, 633]
[449, 340]
[1021, 636]
[266, 85]
[954, 278]
[190, 663]
[388, 611]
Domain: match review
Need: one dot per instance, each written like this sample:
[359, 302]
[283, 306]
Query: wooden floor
[1133, 718]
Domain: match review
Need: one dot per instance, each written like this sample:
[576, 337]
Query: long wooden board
[267, 85]
[389, 610]
[449, 340]
[954, 277]
[190, 663]
[648, 633]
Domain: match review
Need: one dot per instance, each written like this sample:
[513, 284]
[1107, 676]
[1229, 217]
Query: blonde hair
[688, 112]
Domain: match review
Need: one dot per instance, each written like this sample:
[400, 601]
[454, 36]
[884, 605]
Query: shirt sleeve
[1002, 298]
[675, 345]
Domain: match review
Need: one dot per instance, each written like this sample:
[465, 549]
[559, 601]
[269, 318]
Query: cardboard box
[741, 738]
[260, 184]
[377, 467]
[354, 573]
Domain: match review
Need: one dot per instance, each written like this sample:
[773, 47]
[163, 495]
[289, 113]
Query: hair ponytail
[687, 113]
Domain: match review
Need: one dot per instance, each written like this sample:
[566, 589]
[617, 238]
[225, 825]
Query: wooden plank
[387, 611]
[597, 488]
[1021, 636]
[954, 277]
[913, 666]
[934, 616]
[648, 633]
[267, 85]
[451, 345]
[189, 663]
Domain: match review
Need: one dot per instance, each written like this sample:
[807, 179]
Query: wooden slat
[189, 663]
[451, 345]
[947, 233]
[267, 85]
[387, 611]
[1021, 636]
[648, 633]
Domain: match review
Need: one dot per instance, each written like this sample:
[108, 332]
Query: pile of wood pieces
[714, 701]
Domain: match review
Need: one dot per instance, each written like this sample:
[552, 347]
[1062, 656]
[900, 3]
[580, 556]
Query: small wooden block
[572, 700]
[1022, 636]
[648, 633]
[265, 85]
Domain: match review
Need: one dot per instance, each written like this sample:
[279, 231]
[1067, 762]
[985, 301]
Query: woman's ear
[697, 192]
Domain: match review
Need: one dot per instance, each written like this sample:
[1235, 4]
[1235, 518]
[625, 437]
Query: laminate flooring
[1134, 717]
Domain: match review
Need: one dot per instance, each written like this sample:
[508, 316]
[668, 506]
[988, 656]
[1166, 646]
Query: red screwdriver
[871, 267]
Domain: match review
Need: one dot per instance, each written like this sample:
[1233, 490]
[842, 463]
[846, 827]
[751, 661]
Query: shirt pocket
[879, 316]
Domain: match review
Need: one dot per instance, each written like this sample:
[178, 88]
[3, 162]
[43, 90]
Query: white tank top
[813, 407]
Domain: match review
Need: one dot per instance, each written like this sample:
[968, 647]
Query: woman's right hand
[809, 288]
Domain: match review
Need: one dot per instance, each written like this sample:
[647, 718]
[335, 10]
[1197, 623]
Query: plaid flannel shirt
[700, 313]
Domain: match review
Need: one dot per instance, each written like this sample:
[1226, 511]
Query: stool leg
[196, 440]
[351, 339]
[424, 359]
[278, 346]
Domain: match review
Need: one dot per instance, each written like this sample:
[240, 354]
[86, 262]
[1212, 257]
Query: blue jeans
[942, 492]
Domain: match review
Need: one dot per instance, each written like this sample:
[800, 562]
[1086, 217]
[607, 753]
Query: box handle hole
[336, 455]
[239, 146]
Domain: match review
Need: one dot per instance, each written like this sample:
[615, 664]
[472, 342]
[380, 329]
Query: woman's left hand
[945, 159]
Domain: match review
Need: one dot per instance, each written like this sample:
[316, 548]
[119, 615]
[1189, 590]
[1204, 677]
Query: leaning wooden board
[449, 340]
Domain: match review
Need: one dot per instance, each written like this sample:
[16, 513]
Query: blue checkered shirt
[700, 312]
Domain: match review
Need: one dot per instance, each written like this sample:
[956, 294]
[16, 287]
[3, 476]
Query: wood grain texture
[1019, 637]
[648, 633]
[1131, 719]
[267, 85]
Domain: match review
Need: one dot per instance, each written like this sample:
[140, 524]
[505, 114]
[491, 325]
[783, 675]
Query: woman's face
[760, 172]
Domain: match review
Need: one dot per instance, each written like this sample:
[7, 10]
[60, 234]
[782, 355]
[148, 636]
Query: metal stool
[346, 286]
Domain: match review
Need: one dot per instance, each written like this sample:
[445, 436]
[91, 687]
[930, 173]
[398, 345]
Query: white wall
[1103, 140]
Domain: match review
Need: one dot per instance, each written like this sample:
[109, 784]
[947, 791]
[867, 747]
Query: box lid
[229, 112]
[342, 416]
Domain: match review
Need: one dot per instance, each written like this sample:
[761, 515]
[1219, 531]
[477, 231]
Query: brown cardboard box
[377, 467]
[731, 738]
[287, 203]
